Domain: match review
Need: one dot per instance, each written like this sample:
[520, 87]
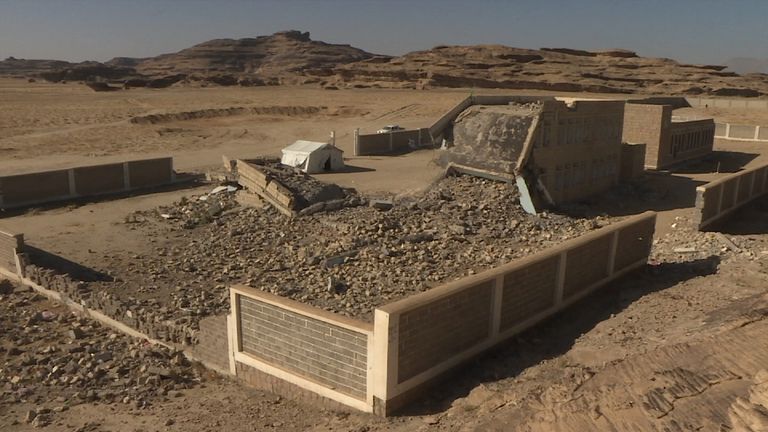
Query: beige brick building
[668, 140]
[565, 150]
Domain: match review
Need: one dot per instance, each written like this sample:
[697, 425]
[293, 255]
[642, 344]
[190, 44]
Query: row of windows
[577, 174]
[685, 142]
[579, 131]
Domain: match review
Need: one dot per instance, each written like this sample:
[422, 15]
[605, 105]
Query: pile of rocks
[55, 359]
[354, 259]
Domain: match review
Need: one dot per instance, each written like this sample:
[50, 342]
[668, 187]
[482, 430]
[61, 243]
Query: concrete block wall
[212, 346]
[741, 132]
[667, 142]
[577, 147]
[49, 186]
[717, 200]
[752, 104]
[646, 124]
[392, 142]
[309, 347]
[632, 161]
[430, 333]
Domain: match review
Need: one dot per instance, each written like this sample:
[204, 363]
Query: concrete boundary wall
[757, 104]
[391, 142]
[717, 200]
[736, 132]
[23, 190]
[419, 338]
[319, 351]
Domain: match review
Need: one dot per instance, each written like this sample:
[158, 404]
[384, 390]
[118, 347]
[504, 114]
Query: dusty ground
[670, 347]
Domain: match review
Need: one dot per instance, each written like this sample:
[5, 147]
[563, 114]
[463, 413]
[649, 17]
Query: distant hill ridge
[292, 57]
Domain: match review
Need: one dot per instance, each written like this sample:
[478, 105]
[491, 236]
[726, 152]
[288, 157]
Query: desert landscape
[106, 325]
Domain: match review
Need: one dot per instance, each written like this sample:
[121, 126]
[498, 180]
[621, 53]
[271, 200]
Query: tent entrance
[327, 164]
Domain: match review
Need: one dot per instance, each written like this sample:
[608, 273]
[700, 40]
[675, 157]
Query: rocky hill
[279, 58]
[291, 57]
[557, 69]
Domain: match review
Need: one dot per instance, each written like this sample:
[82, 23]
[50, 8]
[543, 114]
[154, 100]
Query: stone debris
[70, 360]
[460, 227]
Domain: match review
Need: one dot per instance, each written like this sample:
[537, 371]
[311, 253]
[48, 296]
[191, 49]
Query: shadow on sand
[555, 336]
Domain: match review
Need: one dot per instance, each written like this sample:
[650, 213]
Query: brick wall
[632, 161]
[586, 265]
[334, 356]
[423, 336]
[528, 291]
[10, 244]
[644, 124]
[439, 330]
[667, 142]
[717, 200]
[212, 342]
[687, 140]
[272, 384]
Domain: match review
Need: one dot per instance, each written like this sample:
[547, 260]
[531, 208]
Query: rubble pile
[354, 259]
[55, 359]
[194, 211]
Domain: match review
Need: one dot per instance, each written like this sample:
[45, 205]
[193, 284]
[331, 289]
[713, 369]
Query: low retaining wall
[419, 338]
[741, 132]
[413, 341]
[716, 200]
[391, 142]
[758, 104]
[313, 349]
[24, 190]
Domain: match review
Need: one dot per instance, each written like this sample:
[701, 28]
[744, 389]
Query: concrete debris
[380, 204]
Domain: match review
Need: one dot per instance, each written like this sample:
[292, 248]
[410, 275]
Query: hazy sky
[703, 31]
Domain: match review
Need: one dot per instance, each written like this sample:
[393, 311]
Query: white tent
[313, 157]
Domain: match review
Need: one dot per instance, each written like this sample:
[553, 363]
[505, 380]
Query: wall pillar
[72, 185]
[126, 176]
[356, 148]
[727, 130]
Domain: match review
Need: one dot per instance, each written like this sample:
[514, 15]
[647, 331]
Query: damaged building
[556, 150]
[670, 140]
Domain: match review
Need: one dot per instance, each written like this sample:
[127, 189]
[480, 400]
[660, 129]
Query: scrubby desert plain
[679, 345]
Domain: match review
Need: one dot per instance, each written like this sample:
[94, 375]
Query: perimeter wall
[717, 200]
[48, 186]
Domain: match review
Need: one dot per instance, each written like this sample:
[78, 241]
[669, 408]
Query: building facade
[669, 141]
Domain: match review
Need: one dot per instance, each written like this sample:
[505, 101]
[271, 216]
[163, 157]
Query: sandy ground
[668, 348]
